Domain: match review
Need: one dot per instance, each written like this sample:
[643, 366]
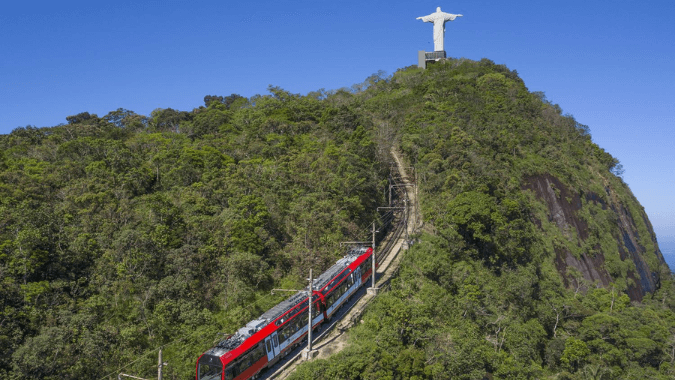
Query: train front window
[210, 372]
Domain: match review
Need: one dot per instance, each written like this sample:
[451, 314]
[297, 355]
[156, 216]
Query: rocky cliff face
[591, 252]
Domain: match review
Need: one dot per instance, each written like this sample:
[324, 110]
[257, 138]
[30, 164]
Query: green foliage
[575, 353]
[482, 294]
[125, 233]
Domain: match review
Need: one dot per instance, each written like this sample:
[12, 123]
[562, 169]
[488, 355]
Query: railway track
[331, 338]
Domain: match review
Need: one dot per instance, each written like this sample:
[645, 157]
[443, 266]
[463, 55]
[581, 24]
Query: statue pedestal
[424, 57]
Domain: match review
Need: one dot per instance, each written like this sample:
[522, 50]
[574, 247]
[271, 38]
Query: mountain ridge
[126, 232]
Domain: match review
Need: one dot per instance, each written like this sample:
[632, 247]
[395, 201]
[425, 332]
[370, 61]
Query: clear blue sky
[608, 63]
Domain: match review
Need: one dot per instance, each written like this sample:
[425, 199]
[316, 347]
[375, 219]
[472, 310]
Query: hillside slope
[536, 259]
[123, 233]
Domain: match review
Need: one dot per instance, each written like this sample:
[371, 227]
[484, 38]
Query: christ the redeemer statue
[439, 19]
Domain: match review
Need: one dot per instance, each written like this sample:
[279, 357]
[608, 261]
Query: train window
[245, 362]
[257, 354]
[269, 346]
[260, 352]
[236, 369]
[287, 331]
[209, 372]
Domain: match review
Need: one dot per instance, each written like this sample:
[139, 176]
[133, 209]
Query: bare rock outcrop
[589, 264]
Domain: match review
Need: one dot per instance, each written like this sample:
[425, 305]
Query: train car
[263, 341]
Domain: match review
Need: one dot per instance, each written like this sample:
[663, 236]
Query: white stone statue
[439, 19]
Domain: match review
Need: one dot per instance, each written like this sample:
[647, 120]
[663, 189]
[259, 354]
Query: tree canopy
[123, 233]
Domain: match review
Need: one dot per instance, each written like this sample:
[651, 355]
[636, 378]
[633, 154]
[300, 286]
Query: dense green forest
[494, 286]
[123, 233]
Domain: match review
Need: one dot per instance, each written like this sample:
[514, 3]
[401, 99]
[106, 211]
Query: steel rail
[390, 242]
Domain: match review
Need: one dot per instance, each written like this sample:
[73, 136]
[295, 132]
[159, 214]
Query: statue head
[438, 9]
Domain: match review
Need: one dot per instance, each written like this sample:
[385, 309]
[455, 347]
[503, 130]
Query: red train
[263, 341]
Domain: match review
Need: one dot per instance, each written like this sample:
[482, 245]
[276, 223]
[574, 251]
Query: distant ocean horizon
[668, 249]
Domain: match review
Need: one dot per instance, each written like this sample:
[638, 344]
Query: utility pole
[159, 365]
[309, 328]
[405, 220]
[385, 192]
[373, 289]
[373, 257]
[390, 191]
[309, 353]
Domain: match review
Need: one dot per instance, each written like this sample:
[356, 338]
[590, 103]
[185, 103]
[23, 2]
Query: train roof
[235, 340]
[333, 271]
[279, 309]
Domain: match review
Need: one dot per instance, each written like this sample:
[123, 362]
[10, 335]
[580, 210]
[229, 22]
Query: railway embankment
[334, 339]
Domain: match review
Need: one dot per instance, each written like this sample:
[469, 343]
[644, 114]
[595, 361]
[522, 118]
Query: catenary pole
[309, 328]
[405, 218]
[373, 286]
[159, 365]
